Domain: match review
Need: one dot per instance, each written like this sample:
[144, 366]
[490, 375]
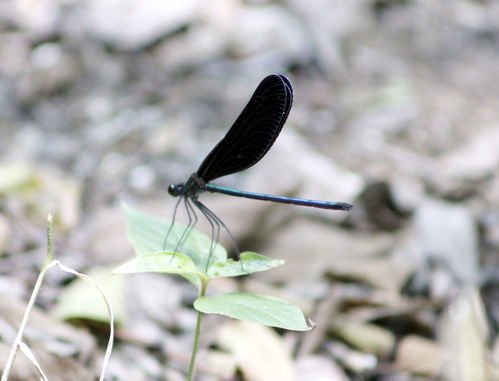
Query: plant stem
[195, 345]
[50, 230]
[31, 303]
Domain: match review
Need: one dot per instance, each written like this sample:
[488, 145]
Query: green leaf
[80, 299]
[175, 263]
[249, 263]
[262, 309]
[147, 235]
[193, 279]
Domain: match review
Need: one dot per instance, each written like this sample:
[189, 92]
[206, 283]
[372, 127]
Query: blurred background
[396, 111]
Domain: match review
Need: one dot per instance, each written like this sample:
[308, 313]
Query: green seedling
[199, 260]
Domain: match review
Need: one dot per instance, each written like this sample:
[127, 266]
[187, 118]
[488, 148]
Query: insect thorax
[191, 188]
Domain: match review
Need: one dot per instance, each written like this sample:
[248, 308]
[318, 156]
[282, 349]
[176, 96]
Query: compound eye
[176, 189]
[172, 189]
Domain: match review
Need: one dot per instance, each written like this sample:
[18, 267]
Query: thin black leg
[233, 240]
[172, 223]
[192, 223]
[215, 229]
[192, 220]
[219, 221]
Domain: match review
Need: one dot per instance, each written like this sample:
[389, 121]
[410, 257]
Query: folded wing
[253, 132]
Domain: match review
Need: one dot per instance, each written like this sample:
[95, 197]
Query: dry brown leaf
[259, 351]
[381, 273]
[319, 368]
[311, 248]
[464, 333]
[356, 361]
[53, 343]
[56, 368]
[223, 365]
[419, 355]
[368, 338]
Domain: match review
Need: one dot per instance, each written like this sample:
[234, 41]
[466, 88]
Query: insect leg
[215, 229]
[219, 221]
[172, 223]
[191, 222]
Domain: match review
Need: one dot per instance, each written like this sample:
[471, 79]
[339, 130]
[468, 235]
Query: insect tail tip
[347, 206]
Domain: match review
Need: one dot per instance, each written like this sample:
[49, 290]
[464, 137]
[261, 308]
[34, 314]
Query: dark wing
[253, 132]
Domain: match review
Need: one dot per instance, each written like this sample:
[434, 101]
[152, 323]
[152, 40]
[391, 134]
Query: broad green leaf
[147, 235]
[175, 263]
[257, 308]
[80, 299]
[193, 279]
[249, 263]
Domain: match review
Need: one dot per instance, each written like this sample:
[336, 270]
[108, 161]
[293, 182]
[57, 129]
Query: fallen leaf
[368, 338]
[419, 355]
[259, 351]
